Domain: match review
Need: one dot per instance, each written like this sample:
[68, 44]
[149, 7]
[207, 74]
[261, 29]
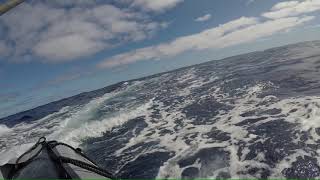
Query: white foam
[89, 129]
[4, 129]
[225, 124]
[22, 136]
[14, 152]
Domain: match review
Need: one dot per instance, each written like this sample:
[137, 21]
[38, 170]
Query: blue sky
[53, 49]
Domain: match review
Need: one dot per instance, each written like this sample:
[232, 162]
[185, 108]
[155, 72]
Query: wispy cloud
[203, 18]
[181, 44]
[156, 5]
[242, 30]
[292, 8]
[59, 31]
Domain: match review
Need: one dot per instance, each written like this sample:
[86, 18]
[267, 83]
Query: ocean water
[249, 116]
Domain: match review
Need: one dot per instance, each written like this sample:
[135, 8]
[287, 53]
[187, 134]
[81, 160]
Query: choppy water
[249, 116]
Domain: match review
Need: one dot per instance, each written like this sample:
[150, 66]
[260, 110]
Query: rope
[81, 164]
[78, 151]
[41, 141]
[19, 165]
[87, 166]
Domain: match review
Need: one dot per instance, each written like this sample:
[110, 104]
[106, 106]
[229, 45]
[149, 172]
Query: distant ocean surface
[255, 115]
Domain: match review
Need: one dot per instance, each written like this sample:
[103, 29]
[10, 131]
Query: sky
[52, 49]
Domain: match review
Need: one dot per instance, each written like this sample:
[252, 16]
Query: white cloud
[242, 30]
[285, 4]
[203, 18]
[196, 41]
[261, 30]
[58, 34]
[283, 17]
[156, 5]
[292, 8]
[67, 47]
